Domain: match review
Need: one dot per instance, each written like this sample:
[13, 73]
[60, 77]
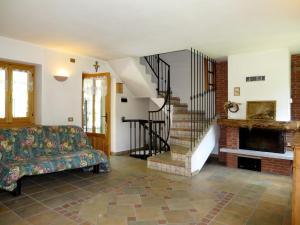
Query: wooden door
[96, 94]
[296, 187]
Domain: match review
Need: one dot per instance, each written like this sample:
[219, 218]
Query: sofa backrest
[29, 142]
[69, 138]
[8, 143]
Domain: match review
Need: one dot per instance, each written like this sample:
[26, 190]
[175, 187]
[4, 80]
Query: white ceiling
[116, 28]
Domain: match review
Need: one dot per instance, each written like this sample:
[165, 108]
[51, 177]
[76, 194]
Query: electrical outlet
[70, 119]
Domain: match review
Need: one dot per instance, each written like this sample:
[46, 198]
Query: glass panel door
[88, 98]
[21, 85]
[100, 114]
[2, 92]
[96, 109]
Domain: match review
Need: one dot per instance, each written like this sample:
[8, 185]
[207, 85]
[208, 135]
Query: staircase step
[182, 138]
[184, 129]
[175, 98]
[181, 141]
[188, 121]
[166, 158]
[187, 115]
[177, 149]
[183, 132]
[181, 105]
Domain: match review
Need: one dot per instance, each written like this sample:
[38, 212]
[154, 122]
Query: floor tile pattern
[133, 195]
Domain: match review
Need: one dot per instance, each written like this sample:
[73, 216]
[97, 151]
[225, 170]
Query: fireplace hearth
[265, 140]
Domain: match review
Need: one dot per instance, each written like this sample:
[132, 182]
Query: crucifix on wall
[96, 66]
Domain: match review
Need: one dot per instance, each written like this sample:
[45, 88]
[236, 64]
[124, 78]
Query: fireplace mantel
[263, 124]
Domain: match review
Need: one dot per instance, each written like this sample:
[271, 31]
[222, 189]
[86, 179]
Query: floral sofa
[44, 149]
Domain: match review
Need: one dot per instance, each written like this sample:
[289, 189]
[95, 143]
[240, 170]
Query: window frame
[9, 120]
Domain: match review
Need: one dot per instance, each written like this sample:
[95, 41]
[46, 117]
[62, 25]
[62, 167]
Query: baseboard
[122, 153]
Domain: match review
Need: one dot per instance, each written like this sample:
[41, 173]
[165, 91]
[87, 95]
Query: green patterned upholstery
[44, 149]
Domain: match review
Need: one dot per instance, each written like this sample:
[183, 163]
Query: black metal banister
[202, 96]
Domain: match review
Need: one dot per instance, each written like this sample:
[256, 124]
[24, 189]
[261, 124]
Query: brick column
[232, 137]
[295, 81]
[221, 98]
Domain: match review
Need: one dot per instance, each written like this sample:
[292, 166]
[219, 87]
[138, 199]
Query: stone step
[175, 102]
[180, 108]
[179, 152]
[181, 105]
[183, 132]
[187, 115]
[177, 149]
[181, 141]
[188, 124]
[165, 163]
[166, 158]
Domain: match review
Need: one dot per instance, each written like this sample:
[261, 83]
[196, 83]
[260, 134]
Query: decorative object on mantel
[255, 78]
[261, 110]
[231, 106]
[264, 124]
[61, 75]
[96, 66]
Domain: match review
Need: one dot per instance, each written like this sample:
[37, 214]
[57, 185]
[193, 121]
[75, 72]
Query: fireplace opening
[265, 140]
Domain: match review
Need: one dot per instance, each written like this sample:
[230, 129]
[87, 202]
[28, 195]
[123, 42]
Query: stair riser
[175, 102]
[180, 109]
[180, 133]
[187, 116]
[187, 125]
[179, 157]
[183, 143]
[168, 168]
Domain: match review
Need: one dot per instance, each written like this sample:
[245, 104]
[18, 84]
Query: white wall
[275, 66]
[135, 108]
[56, 101]
[180, 73]
[207, 146]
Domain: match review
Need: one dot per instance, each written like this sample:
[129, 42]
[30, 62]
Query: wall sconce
[61, 75]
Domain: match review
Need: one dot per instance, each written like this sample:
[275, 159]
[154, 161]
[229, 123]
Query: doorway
[96, 94]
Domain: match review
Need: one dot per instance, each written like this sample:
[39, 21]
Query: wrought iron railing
[203, 97]
[161, 131]
[150, 137]
[140, 139]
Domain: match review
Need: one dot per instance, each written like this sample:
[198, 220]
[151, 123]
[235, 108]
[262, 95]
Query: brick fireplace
[225, 82]
[282, 166]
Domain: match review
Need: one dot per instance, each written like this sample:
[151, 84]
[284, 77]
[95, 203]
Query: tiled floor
[133, 195]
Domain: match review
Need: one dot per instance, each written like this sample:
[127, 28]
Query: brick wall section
[221, 97]
[231, 160]
[295, 80]
[276, 166]
[232, 137]
[221, 87]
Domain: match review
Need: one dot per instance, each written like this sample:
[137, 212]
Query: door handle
[106, 117]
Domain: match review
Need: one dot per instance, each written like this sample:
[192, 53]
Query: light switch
[70, 119]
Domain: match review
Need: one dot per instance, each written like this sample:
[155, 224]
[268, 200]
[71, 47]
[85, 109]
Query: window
[95, 102]
[16, 94]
